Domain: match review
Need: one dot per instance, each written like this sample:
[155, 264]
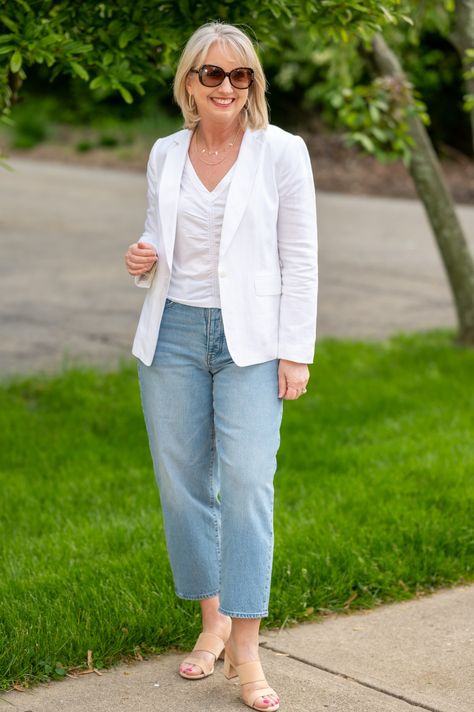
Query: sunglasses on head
[212, 76]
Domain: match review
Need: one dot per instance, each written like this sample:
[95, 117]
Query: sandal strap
[210, 643]
[255, 694]
[251, 672]
[194, 659]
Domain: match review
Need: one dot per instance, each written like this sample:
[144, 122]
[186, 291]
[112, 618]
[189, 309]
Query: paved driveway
[65, 295]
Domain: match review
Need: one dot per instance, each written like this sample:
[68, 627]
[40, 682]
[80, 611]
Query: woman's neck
[214, 137]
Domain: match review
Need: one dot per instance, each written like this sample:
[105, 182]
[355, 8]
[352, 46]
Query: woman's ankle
[242, 651]
[212, 620]
[219, 625]
[243, 643]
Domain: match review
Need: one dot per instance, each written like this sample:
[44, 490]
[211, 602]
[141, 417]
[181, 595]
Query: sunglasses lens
[212, 76]
[241, 78]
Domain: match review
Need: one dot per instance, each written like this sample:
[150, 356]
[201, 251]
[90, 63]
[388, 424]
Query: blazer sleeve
[298, 253]
[151, 220]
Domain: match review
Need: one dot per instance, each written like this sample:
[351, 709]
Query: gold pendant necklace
[201, 151]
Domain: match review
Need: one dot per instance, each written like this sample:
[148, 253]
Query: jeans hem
[198, 597]
[237, 614]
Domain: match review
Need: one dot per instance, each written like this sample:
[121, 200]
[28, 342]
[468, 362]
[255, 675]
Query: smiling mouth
[222, 102]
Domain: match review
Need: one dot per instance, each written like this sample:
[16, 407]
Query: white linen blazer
[267, 269]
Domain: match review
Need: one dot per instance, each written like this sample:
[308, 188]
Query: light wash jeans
[214, 431]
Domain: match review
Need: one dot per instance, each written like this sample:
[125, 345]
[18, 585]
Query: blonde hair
[255, 114]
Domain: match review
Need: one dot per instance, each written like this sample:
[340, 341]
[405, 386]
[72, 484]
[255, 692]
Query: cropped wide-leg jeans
[214, 432]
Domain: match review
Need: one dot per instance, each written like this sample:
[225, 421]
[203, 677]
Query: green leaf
[99, 83]
[380, 134]
[7, 120]
[387, 14]
[24, 5]
[126, 95]
[374, 113]
[80, 71]
[16, 61]
[9, 23]
[114, 27]
[366, 142]
[123, 39]
[127, 36]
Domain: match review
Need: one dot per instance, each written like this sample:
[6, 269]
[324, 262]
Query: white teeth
[222, 101]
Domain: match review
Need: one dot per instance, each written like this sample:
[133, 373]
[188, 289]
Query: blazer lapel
[241, 186]
[168, 193]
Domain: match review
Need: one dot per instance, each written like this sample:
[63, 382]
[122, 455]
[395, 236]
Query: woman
[229, 254]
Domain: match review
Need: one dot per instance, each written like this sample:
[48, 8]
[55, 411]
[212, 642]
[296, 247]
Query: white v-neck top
[194, 279]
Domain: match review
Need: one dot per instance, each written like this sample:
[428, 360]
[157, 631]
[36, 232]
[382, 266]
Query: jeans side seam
[211, 493]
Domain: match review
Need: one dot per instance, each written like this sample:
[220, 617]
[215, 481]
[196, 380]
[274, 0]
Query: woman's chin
[221, 117]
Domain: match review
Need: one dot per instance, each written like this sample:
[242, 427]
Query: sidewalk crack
[389, 693]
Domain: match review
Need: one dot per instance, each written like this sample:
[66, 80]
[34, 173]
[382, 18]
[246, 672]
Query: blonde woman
[229, 254]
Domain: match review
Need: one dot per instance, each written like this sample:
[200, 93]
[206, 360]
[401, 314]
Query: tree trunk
[463, 39]
[426, 172]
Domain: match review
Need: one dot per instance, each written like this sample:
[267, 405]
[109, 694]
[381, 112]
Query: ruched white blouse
[194, 279]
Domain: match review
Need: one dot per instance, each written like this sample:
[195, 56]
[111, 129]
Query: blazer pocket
[268, 283]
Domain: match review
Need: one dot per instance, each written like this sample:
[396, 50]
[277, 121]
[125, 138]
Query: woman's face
[220, 105]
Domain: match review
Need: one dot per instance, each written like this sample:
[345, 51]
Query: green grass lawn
[374, 502]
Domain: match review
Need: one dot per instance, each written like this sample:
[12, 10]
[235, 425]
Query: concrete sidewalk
[64, 291]
[403, 657]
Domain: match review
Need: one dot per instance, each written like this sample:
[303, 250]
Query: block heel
[229, 669]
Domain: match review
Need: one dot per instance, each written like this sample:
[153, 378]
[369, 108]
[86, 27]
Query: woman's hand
[140, 258]
[292, 379]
